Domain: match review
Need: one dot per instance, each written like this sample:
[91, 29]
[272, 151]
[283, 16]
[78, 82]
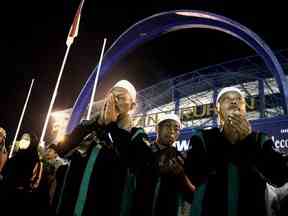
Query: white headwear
[225, 90]
[170, 116]
[128, 86]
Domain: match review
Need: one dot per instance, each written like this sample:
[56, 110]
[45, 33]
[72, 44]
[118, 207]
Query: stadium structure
[262, 78]
[192, 95]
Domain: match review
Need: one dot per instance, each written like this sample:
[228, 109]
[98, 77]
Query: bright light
[195, 14]
[60, 115]
[59, 137]
[60, 121]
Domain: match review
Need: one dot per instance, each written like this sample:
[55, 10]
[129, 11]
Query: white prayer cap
[228, 89]
[128, 86]
[170, 116]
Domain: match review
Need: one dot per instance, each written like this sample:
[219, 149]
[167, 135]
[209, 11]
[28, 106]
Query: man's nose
[234, 101]
[172, 130]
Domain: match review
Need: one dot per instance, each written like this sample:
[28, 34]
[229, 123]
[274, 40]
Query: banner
[276, 128]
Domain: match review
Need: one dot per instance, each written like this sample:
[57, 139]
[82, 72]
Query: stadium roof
[200, 86]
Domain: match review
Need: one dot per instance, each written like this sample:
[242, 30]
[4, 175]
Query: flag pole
[72, 34]
[53, 98]
[96, 81]
[21, 118]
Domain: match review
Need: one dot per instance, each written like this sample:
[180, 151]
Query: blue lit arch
[162, 23]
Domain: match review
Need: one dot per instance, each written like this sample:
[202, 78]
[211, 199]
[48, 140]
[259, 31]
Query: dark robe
[157, 190]
[231, 178]
[104, 181]
[18, 195]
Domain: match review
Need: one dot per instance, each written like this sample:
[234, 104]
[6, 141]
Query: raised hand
[236, 127]
[240, 124]
[109, 112]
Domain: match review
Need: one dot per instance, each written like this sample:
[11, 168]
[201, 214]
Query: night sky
[33, 46]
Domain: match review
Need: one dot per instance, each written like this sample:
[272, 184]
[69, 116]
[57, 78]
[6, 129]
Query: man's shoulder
[137, 132]
[260, 133]
[208, 132]
[260, 137]
[203, 138]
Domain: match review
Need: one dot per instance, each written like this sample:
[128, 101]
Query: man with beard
[94, 179]
[230, 165]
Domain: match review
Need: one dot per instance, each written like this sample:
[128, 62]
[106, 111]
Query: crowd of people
[105, 166]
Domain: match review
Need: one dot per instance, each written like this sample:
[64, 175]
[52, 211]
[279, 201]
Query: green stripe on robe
[233, 189]
[80, 203]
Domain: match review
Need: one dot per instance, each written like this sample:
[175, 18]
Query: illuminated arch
[162, 23]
